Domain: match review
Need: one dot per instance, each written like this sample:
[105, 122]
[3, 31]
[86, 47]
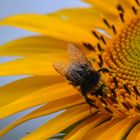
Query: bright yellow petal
[26, 86]
[111, 13]
[38, 97]
[96, 132]
[60, 122]
[49, 108]
[49, 25]
[119, 130]
[135, 133]
[80, 131]
[34, 45]
[88, 14]
[104, 8]
[35, 65]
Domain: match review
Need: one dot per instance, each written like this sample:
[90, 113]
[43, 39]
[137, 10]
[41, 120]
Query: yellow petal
[60, 122]
[119, 130]
[80, 131]
[49, 108]
[135, 133]
[34, 45]
[96, 132]
[35, 65]
[38, 97]
[112, 14]
[104, 8]
[49, 25]
[88, 14]
[26, 86]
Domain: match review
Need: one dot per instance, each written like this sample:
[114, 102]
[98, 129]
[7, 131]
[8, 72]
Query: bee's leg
[100, 91]
[90, 102]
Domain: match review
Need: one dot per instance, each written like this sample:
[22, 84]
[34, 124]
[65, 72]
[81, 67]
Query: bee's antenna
[103, 70]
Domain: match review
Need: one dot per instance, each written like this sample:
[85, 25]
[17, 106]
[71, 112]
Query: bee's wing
[61, 68]
[77, 54]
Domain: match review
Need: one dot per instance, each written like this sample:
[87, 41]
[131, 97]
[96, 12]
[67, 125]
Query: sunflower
[107, 34]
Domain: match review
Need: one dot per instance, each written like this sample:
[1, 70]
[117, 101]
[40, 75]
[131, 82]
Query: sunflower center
[123, 56]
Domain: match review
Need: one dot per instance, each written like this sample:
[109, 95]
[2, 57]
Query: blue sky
[12, 7]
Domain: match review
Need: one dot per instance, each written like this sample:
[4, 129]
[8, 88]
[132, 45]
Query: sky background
[12, 7]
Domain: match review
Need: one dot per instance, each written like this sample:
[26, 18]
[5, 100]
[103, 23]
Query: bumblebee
[80, 73]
